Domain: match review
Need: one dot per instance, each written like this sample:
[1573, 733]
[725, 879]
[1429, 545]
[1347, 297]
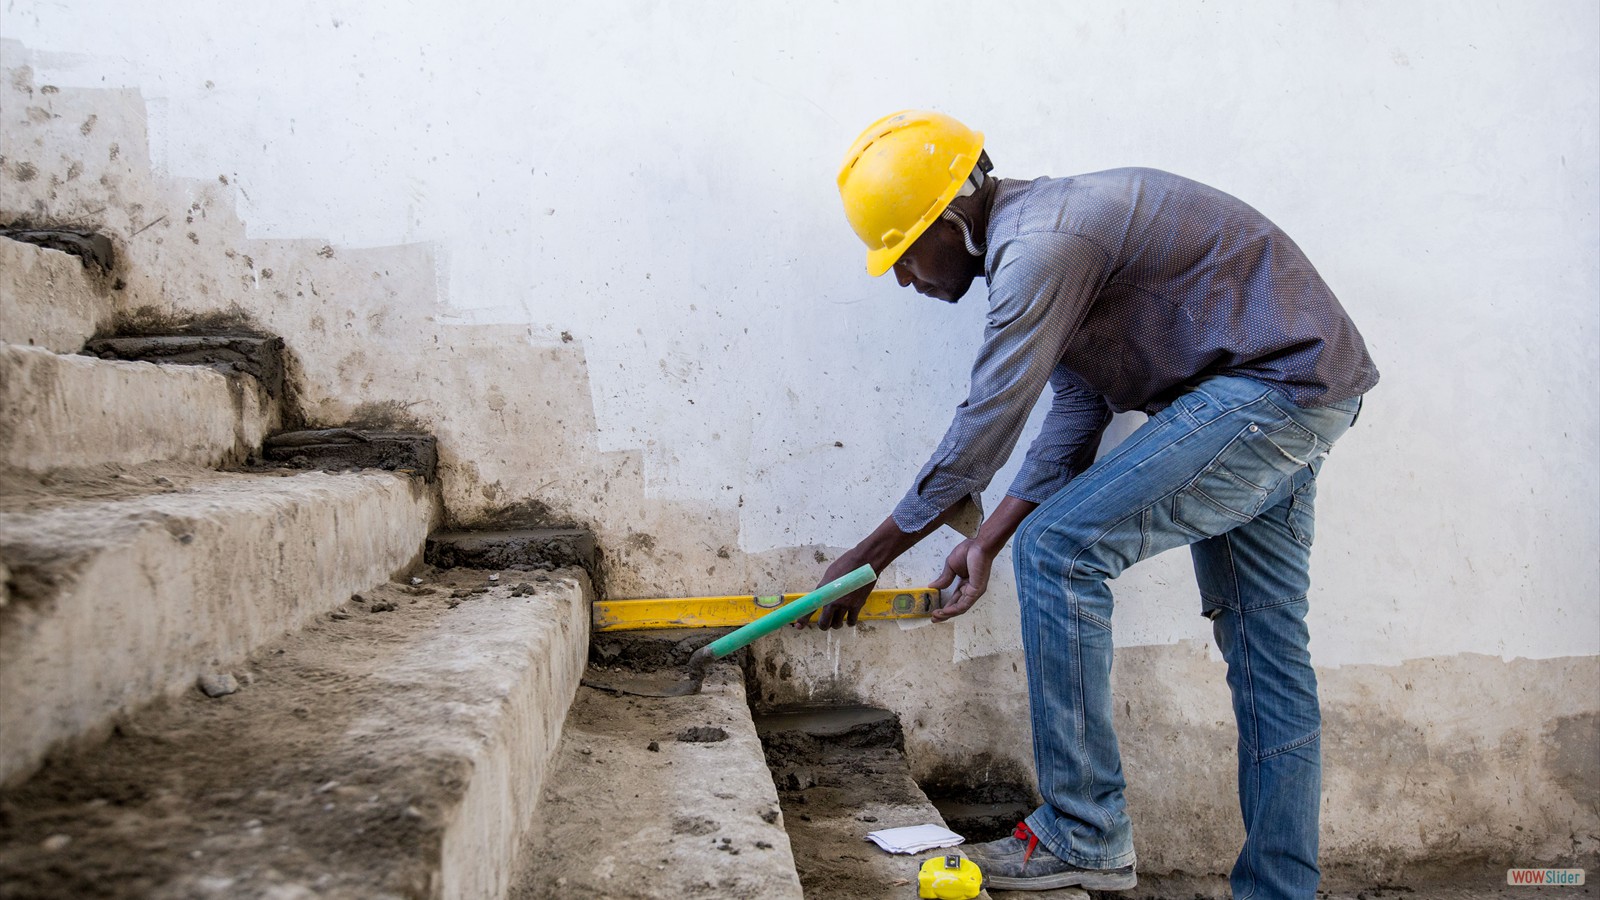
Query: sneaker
[1019, 863]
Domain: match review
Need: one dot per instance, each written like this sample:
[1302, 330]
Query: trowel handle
[782, 616]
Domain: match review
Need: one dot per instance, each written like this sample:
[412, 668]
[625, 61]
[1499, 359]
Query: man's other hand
[970, 562]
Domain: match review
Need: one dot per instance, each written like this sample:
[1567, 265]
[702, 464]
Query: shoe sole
[1094, 881]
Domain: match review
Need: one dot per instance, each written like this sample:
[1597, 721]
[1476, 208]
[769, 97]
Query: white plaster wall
[657, 180]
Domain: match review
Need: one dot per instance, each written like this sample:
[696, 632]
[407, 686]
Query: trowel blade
[643, 684]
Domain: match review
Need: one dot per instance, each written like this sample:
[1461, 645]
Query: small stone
[55, 842]
[586, 752]
[357, 598]
[869, 818]
[494, 577]
[459, 593]
[416, 581]
[413, 813]
[338, 614]
[763, 845]
[541, 578]
[218, 684]
[326, 787]
[769, 816]
[378, 606]
[653, 746]
[163, 480]
[253, 824]
[481, 590]
[300, 712]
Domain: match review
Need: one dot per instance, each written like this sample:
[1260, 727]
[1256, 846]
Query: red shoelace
[1024, 833]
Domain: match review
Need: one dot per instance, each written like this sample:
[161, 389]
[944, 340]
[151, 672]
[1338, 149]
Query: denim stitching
[1295, 744]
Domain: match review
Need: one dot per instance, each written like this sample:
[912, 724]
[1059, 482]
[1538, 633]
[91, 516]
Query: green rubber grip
[782, 616]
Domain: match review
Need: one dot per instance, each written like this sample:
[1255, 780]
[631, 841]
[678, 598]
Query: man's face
[938, 264]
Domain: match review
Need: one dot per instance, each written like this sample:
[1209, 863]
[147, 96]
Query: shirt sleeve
[1040, 287]
[1067, 443]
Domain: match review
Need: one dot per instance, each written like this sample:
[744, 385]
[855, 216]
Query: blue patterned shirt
[1118, 289]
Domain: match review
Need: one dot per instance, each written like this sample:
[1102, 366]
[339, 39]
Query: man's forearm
[886, 542]
[1003, 523]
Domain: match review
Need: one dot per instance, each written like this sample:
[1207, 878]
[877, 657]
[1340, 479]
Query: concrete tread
[125, 584]
[388, 753]
[697, 816]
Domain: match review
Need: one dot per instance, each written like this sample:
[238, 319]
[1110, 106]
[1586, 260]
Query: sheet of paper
[914, 838]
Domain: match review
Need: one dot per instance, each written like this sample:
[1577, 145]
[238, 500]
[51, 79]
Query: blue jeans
[1229, 469]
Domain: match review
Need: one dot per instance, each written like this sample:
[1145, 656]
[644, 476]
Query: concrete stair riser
[131, 600]
[48, 299]
[61, 411]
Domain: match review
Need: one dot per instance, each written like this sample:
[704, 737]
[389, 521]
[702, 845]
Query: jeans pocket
[1232, 488]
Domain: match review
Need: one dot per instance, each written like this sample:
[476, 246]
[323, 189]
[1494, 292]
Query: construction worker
[1131, 289]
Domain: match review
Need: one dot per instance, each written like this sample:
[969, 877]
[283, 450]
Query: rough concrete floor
[333, 770]
[659, 798]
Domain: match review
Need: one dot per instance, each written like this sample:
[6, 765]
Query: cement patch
[522, 548]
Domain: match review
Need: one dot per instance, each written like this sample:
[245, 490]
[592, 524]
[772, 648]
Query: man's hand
[844, 610]
[970, 562]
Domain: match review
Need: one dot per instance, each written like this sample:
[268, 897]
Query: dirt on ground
[290, 786]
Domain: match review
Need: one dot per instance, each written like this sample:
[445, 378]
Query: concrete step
[841, 772]
[50, 299]
[127, 584]
[59, 411]
[392, 752]
[659, 797]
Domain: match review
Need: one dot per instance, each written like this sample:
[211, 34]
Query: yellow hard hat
[900, 175]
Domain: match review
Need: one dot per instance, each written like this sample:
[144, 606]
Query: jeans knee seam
[1274, 604]
[1295, 744]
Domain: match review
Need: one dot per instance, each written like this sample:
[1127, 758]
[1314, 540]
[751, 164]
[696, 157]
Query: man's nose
[901, 274]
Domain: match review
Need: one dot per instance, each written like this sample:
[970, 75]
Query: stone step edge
[438, 709]
[109, 605]
[65, 411]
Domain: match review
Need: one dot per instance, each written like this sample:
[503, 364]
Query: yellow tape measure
[950, 877]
